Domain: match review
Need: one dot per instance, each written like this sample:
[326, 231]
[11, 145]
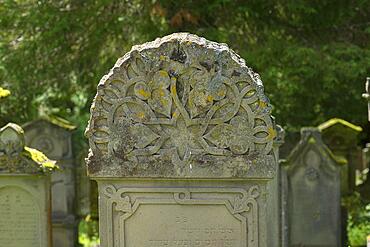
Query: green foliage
[313, 56]
[358, 226]
[88, 233]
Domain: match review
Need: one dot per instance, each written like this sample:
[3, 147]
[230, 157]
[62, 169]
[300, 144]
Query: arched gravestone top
[312, 145]
[181, 106]
[16, 158]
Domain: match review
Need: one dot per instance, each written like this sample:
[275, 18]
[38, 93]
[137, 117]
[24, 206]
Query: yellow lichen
[311, 140]
[40, 158]
[162, 92]
[4, 93]
[335, 121]
[262, 104]
[63, 123]
[140, 115]
[173, 89]
[209, 98]
[163, 73]
[271, 133]
[143, 93]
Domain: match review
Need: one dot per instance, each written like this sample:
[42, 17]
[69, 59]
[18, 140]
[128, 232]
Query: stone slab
[207, 213]
[24, 206]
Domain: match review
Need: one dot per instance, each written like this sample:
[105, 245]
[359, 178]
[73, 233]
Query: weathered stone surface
[53, 136]
[175, 213]
[181, 142]
[313, 193]
[24, 192]
[184, 101]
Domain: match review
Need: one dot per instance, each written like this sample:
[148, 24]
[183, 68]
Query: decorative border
[243, 207]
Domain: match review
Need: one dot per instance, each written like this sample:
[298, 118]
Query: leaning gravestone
[181, 142]
[53, 136]
[24, 192]
[313, 193]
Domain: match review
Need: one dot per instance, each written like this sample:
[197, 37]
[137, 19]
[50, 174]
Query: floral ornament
[122, 203]
[240, 135]
[156, 92]
[244, 203]
[178, 102]
[205, 90]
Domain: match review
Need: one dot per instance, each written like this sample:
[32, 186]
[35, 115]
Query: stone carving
[177, 98]
[15, 157]
[181, 138]
[240, 203]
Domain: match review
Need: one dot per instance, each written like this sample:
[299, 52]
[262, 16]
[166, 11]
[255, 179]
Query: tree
[313, 56]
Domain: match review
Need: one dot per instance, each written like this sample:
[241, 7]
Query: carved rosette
[177, 98]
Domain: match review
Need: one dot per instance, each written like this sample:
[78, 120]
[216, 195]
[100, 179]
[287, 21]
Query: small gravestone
[53, 136]
[313, 193]
[181, 145]
[24, 192]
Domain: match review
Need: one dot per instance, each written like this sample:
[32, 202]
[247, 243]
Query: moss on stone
[38, 157]
[60, 122]
[335, 121]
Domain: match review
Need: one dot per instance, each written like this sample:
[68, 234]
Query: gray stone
[313, 193]
[53, 136]
[181, 145]
[24, 192]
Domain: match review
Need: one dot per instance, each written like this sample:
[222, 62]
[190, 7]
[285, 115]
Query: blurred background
[313, 57]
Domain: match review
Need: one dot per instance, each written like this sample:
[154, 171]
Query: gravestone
[24, 192]
[342, 139]
[313, 193]
[53, 136]
[181, 146]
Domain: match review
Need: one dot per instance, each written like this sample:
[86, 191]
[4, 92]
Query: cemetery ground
[184, 123]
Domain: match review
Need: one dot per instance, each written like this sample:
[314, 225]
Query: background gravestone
[342, 139]
[24, 192]
[53, 136]
[181, 142]
[313, 193]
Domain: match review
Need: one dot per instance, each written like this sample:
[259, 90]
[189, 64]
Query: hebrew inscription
[203, 226]
[182, 217]
[19, 218]
[178, 99]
